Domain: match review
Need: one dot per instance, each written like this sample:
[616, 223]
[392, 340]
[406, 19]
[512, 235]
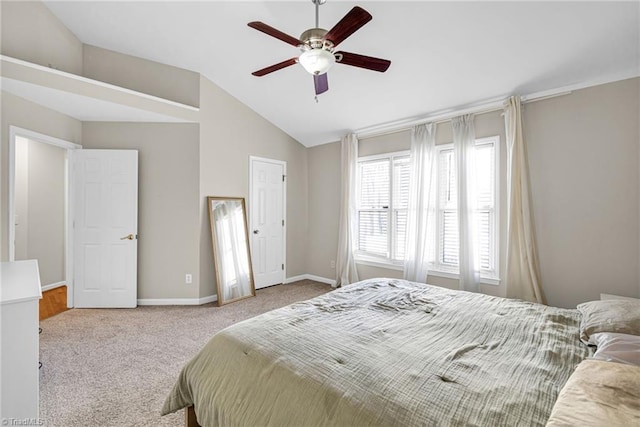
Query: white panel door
[105, 212]
[267, 221]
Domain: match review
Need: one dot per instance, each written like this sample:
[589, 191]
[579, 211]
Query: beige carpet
[114, 367]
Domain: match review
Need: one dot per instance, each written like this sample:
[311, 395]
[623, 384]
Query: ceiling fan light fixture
[316, 61]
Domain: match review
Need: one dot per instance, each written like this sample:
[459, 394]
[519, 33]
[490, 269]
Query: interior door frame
[283, 163]
[15, 131]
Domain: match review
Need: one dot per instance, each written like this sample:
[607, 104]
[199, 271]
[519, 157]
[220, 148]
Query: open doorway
[38, 205]
[40, 199]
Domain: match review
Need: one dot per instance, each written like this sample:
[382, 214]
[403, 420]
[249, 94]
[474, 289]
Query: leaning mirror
[231, 256]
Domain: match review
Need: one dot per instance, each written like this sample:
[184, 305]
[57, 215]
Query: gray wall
[173, 226]
[168, 205]
[24, 114]
[29, 31]
[583, 158]
[32, 33]
[40, 207]
[324, 208]
[230, 132]
[141, 75]
[21, 193]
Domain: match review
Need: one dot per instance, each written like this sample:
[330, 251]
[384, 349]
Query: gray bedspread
[386, 352]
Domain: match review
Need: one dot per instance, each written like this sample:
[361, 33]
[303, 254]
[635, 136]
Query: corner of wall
[52, 45]
[142, 75]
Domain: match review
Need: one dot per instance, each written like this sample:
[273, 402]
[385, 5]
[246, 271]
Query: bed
[386, 352]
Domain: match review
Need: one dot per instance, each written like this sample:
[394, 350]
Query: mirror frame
[221, 300]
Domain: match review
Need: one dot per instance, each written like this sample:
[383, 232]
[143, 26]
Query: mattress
[386, 352]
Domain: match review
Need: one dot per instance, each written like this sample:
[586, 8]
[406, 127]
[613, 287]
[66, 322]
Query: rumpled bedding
[386, 352]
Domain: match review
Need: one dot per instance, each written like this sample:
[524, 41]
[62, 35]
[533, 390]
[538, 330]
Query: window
[484, 209]
[383, 199]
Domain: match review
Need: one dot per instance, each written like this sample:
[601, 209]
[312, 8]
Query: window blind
[401, 175]
[383, 199]
[484, 212]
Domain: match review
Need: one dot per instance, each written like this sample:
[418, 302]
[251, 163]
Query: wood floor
[53, 302]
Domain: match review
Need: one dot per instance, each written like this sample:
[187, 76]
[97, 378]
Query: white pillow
[614, 347]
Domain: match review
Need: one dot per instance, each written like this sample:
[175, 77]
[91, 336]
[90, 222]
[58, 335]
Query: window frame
[368, 258]
[490, 277]
[487, 276]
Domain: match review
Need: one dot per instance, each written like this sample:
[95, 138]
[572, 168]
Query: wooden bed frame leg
[190, 417]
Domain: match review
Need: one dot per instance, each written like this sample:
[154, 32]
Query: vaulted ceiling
[444, 55]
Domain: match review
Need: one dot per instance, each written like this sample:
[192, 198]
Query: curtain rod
[447, 115]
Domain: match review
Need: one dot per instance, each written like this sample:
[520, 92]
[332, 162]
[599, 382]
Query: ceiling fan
[317, 46]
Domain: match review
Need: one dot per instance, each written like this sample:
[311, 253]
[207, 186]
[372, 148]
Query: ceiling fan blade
[321, 83]
[362, 61]
[348, 25]
[275, 67]
[261, 26]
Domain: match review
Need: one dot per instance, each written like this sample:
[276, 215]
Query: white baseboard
[212, 298]
[178, 301]
[295, 279]
[311, 277]
[53, 286]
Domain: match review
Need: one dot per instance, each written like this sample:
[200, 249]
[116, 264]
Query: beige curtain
[345, 263]
[522, 277]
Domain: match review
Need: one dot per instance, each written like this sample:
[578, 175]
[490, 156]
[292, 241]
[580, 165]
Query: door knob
[256, 231]
[129, 237]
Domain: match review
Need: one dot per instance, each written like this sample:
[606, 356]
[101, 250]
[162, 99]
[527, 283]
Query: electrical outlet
[332, 264]
[188, 279]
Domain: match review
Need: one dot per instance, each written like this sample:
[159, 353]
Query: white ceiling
[444, 54]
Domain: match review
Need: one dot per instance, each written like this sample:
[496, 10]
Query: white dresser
[19, 297]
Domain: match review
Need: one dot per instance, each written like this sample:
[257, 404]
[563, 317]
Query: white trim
[380, 156]
[313, 277]
[295, 279]
[69, 211]
[437, 273]
[566, 90]
[370, 262]
[53, 286]
[483, 279]
[284, 207]
[15, 131]
[97, 83]
[213, 298]
[485, 106]
[438, 116]
[177, 301]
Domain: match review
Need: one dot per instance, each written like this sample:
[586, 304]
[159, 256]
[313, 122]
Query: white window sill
[486, 280]
[372, 262]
